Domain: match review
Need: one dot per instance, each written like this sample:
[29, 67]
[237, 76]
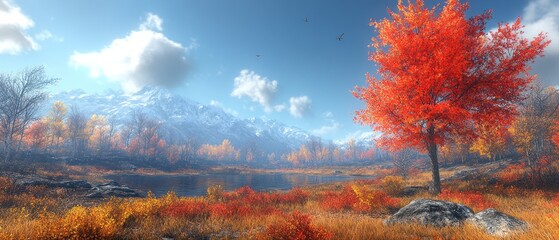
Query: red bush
[339, 201]
[295, 196]
[472, 199]
[187, 209]
[376, 201]
[296, 226]
[358, 199]
[245, 201]
[512, 173]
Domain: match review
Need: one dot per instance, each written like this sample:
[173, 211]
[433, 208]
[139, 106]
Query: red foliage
[358, 200]
[472, 199]
[512, 173]
[555, 136]
[440, 74]
[187, 209]
[339, 201]
[35, 135]
[245, 201]
[376, 201]
[232, 209]
[296, 226]
[430, 66]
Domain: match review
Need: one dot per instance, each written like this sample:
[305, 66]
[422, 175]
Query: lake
[196, 185]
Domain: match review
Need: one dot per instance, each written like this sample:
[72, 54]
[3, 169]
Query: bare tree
[21, 95]
[404, 161]
[76, 122]
[126, 135]
[112, 131]
[144, 129]
[532, 129]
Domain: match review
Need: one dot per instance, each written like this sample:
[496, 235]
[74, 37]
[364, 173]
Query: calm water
[196, 185]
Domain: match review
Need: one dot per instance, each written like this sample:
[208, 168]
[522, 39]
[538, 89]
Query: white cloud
[299, 106]
[215, 103]
[279, 107]
[47, 35]
[13, 24]
[259, 89]
[43, 35]
[325, 130]
[153, 22]
[543, 16]
[218, 104]
[143, 57]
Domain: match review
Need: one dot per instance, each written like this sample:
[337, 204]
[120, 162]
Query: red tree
[440, 73]
[35, 135]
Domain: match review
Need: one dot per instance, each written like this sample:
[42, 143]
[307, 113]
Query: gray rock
[497, 223]
[413, 190]
[113, 189]
[465, 174]
[431, 212]
[73, 184]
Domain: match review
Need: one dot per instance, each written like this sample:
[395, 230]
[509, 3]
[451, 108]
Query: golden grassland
[352, 210]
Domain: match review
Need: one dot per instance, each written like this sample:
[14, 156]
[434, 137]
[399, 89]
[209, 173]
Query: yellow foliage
[225, 151]
[392, 185]
[215, 193]
[78, 223]
[490, 142]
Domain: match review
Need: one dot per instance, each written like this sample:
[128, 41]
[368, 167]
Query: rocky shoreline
[87, 189]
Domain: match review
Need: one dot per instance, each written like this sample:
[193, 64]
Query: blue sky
[206, 50]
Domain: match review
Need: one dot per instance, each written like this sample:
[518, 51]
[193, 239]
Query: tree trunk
[8, 143]
[432, 149]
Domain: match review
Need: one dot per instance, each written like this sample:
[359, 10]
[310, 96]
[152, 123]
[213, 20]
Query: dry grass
[39, 213]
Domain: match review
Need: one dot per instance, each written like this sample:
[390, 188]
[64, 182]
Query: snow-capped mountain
[186, 119]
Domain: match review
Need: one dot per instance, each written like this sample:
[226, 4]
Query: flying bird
[306, 19]
[258, 55]
[341, 37]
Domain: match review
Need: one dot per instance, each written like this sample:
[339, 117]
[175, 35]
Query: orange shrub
[360, 199]
[215, 193]
[95, 223]
[145, 207]
[187, 208]
[392, 185]
[245, 201]
[296, 226]
[5, 184]
[512, 173]
[473, 199]
[294, 196]
[339, 201]
[373, 200]
[233, 209]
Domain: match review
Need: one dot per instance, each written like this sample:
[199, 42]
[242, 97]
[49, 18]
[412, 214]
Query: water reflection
[196, 185]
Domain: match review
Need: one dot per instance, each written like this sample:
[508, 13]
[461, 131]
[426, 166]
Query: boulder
[112, 189]
[497, 223]
[431, 212]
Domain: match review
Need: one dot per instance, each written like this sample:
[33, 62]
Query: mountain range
[183, 118]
